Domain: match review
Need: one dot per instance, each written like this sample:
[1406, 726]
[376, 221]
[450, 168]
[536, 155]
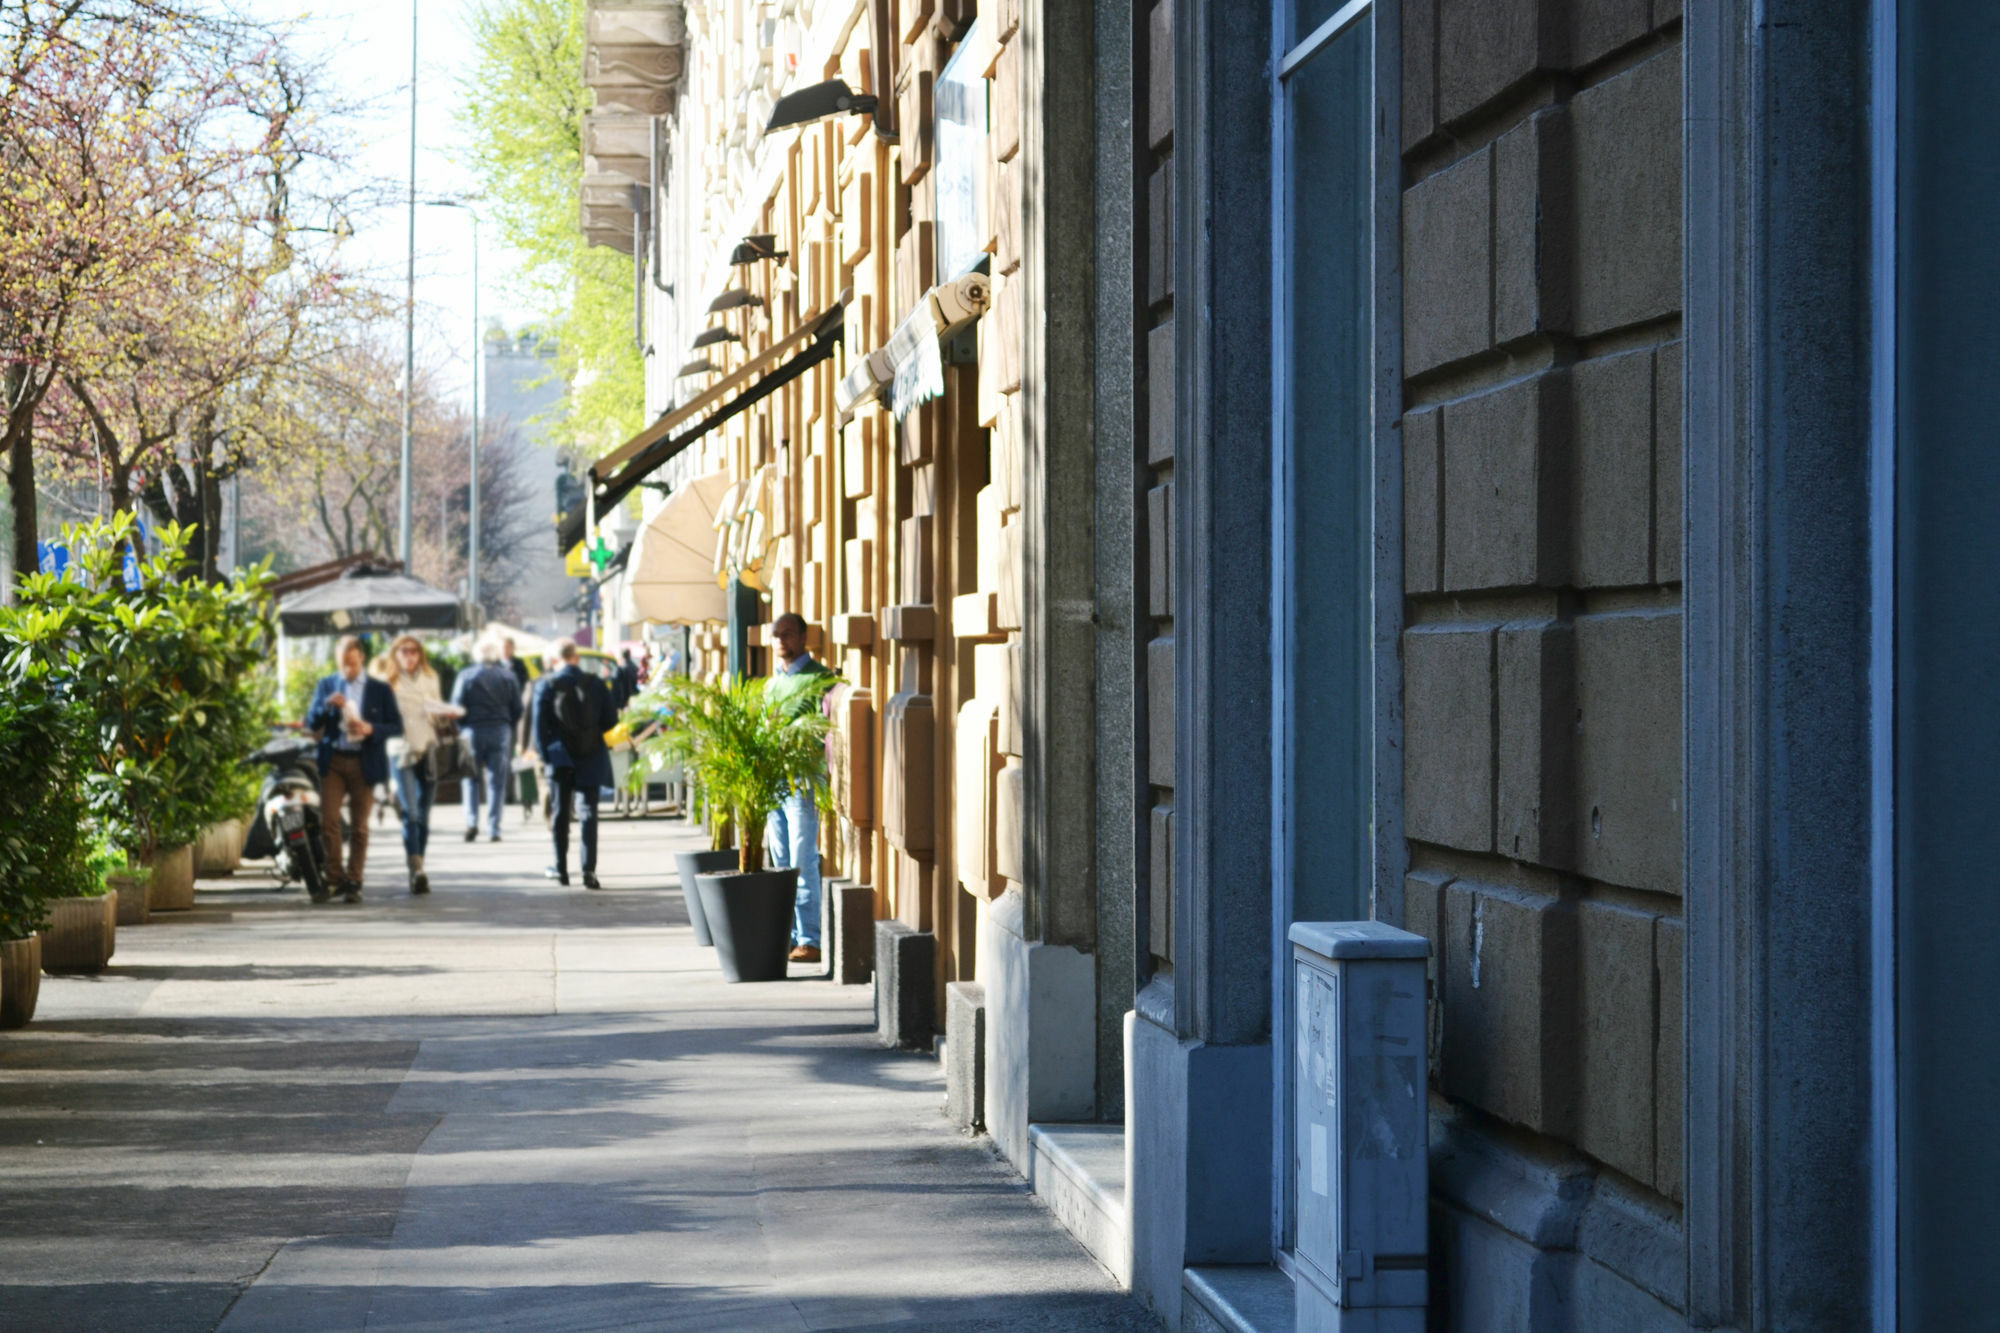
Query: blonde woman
[406, 669]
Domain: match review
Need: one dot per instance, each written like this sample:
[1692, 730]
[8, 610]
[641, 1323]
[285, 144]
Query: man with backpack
[573, 710]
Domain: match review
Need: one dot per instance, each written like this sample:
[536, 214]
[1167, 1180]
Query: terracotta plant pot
[172, 885]
[130, 890]
[693, 864]
[20, 980]
[219, 850]
[81, 934]
[750, 917]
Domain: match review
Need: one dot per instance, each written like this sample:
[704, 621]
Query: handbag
[450, 757]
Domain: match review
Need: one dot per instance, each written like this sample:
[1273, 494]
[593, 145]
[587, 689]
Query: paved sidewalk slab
[507, 1105]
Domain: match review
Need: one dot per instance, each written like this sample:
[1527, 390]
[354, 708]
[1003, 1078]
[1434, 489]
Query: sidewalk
[508, 1105]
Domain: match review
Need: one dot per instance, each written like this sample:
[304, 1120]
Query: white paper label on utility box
[1319, 1160]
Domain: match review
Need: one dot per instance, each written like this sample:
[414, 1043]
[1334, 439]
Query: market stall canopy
[366, 598]
[670, 576]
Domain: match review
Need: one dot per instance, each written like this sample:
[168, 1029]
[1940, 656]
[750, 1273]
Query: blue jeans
[792, 839]
[491, 751]
[414, 793]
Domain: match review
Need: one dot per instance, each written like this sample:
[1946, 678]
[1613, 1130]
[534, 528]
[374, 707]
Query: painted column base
[1041, 1032]
[965, 1055]
[905, 975]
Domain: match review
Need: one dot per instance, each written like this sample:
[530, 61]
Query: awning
[368, 599]
[612, 477]
[669, 579]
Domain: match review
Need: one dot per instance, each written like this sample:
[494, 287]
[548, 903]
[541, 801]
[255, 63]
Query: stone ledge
[1237, 1298]
[1079, 1172]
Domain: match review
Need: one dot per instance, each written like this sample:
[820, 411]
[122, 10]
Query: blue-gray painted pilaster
[1777, 664]
[1947, 698]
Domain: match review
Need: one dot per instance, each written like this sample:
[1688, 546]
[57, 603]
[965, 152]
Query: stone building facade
[1436, 461]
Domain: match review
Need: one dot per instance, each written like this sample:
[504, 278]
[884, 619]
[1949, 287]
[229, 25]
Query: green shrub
[168, 672]
[44, 837]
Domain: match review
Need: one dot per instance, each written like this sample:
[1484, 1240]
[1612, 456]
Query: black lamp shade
[701, 367]
[757, 248]
[831, 98]
[710, 337]
[733, 299]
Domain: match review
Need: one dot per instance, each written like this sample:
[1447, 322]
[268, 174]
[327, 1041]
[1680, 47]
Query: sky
[367, 46]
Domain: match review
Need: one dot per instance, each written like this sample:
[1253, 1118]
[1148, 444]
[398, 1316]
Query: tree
[108, 157]
[522, 111]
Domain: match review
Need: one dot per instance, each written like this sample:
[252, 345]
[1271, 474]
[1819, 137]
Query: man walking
[573, 710]
[354, 716]
[794, 827]
[492, 703]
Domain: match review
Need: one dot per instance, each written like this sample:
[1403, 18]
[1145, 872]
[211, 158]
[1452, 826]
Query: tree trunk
[21, 498]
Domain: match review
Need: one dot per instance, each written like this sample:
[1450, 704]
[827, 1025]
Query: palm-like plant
[748, 742]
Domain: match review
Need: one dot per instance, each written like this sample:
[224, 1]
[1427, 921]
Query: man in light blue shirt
[793, 832]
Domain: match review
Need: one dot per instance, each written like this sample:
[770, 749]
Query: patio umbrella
[669, 577]
[364, 599]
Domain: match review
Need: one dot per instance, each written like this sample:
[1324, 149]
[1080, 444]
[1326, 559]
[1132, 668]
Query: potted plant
[749, 746]
[168, 667]
[44, 854]
[663, 742]
[82, 929]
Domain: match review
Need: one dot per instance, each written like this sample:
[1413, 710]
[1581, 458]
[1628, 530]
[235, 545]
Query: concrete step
[1079, 1171]
[1246, 1298]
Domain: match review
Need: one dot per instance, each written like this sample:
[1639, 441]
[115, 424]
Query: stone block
[975, 762]
[857, 217]
[1628, 764]
[1599, 27]
[1494, 1281]
[1508, 1031]
[1615, 1038]
[1447, 258]
[1448, 736]
[905, 974]
[917, 117]
[857, 468]
[1419, 71]
[909, 760]
[1503, 486]
[1613, 399]
[1628, 196]
[1533, 207]
[965, 1055]
[916, 434]
[1423, 502]
[1007, 219]
[1629, 1233]
[1669, 950]
[1665, 12]
[1005, 450]
[1010, 728]
[973, 615]
[1005, 131]
[1007, 603]
[1486, 47]
[913, 559]
[909, 622]
[1160, 712]
[853, 953]
[858, 588]
[1160, 882]
[1667, 455]
[1424, 914]
[1160, 394]
[1160, 75]
[1536, 794]
[1007, 326]
[1160, 550]
[1160, 233]
[1009, 802]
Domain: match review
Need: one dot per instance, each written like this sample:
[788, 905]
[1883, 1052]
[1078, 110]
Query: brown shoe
[805, 953]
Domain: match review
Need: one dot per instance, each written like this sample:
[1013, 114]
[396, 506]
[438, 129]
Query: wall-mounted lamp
[832, 98]
[701, 367]
[755, 249]
[733, 299]
[710, 337]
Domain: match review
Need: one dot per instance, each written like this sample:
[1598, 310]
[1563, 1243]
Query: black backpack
[575, 714]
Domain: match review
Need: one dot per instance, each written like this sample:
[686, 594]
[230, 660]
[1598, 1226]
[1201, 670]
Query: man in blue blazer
[354, 715]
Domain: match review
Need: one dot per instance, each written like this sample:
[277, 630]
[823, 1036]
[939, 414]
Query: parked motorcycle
[287, 825]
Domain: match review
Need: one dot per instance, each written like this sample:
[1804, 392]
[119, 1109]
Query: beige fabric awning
[670, 575]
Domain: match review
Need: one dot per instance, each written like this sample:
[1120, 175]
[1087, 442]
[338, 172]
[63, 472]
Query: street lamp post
[406, 515]
[478, 371]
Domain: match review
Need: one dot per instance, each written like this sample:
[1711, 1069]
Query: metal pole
[406, 508]
[478, 366]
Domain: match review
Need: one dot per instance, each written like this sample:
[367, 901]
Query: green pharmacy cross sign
[600, 554]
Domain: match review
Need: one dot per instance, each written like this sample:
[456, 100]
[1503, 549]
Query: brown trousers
[343, 783]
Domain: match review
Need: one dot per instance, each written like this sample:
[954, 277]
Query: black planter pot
[702, 863]
[750, 917]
